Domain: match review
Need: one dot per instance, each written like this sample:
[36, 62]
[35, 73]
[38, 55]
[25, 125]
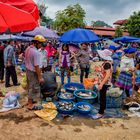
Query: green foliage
[133, 24]
[46, 21]
[99, 23]
[118, 32]
[70, 18]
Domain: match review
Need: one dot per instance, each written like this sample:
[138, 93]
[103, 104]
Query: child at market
[105, 80]
[64, 63]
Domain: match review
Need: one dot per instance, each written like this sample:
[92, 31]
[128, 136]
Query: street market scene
[69, 70]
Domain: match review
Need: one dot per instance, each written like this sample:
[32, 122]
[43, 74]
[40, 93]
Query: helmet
[39, 38]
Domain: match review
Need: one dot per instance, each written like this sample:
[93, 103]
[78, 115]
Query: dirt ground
[22, 124]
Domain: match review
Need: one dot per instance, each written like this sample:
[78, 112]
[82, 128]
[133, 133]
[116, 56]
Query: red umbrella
[15, 20]
[25, 5]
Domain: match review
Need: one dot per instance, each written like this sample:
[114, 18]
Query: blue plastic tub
[63, 99]
[83, 99]
[83, 111]
[77, 85]
[68, 112]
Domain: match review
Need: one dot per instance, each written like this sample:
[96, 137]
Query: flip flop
[39, 107]
[95, 117]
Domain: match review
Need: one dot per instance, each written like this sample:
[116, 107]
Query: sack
[114, 92]
[24, 83]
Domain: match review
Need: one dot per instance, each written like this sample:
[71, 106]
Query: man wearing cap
[10, 62]
[83, 58]
[33, 72]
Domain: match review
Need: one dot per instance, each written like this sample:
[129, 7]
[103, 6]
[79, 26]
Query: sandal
[95, 117]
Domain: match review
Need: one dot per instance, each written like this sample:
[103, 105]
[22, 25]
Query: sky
[105, 10]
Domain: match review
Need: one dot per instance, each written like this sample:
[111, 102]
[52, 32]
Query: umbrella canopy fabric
[15, 20]
[137, 40]
[72, 47]
[79, 35]
[126, 38]
[25, 5]
[14, 37]
[47, 33]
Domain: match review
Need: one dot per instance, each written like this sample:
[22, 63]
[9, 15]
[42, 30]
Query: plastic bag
[24, 83]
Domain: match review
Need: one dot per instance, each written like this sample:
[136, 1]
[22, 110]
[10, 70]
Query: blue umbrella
[126, 39]
[47, 33]
[137, 40]
[79, 35]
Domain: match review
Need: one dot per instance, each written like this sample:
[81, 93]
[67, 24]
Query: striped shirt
[32, 58]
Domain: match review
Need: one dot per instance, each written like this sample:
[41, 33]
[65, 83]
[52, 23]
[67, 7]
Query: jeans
[63, 70]
[86, 71]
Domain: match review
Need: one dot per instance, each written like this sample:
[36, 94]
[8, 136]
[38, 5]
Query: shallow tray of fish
[66, 105]
[84, 107]
[85, 94]
[66, 95]
[72, 88]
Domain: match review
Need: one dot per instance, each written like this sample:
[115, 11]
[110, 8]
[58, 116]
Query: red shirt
[50, 50]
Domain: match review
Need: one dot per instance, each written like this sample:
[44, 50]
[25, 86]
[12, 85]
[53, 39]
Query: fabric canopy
[25, 5]
[14, 20]
[79, 35]
[14, 37]
[126, 39]
[47, 33]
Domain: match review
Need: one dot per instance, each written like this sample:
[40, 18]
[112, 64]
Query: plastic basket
[68, 112]
[83, 111]
[114, 102]
[63, 99]
[83, 99]
[77, 85]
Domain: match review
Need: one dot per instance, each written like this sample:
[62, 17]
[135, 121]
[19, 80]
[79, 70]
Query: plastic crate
[114, 102]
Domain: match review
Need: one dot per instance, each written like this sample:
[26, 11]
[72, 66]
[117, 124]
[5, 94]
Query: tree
[118, 32]
[69, 18]
[133, 24]
[45, 20]
[99, 23]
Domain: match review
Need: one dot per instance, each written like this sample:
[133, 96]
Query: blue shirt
[9, 55]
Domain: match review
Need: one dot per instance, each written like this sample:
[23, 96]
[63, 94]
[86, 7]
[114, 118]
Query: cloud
[106, 10]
